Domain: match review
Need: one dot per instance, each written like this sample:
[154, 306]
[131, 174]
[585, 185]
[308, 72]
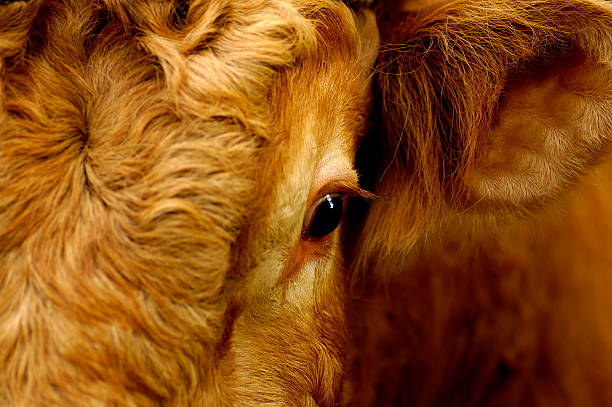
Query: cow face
[172, 185]
[492, 217]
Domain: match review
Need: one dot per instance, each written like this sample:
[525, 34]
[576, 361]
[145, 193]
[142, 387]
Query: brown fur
[491, 225]
[143, 146]
[158, 159]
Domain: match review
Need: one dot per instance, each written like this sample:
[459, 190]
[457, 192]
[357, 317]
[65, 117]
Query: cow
[483, 270]
[172, 178]
[185, 193]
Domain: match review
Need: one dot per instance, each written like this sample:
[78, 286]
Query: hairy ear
[553, 123]
[484, 104]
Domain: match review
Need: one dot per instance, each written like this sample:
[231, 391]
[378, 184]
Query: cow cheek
[289, 345]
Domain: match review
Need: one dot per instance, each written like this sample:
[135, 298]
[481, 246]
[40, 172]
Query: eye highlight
[323, 217]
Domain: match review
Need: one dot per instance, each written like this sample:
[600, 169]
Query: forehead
[141, 146]
[161, 121]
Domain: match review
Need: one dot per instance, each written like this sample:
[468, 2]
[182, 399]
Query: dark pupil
[327, 217]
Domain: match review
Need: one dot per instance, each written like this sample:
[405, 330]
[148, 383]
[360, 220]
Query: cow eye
[323, 217]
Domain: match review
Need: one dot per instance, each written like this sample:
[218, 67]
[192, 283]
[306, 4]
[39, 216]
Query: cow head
[486, 111]
[172, 182]
[173, 176]
[489, 157]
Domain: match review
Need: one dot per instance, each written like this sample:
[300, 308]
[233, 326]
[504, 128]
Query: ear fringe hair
[442, 73]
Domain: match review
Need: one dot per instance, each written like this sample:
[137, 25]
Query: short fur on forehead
[130, 132]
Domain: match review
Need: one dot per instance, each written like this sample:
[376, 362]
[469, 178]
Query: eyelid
[343, 188]
[346, 187]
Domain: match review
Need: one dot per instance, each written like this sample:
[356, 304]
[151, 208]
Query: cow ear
[483, 104]
[551, 124]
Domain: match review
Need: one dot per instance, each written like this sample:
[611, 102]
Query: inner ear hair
[553, 123]
[485, 102]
